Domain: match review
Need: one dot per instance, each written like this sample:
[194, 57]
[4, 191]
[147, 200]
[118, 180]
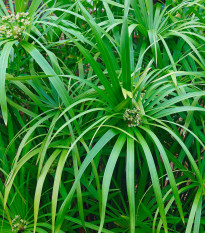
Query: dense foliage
[102, 116]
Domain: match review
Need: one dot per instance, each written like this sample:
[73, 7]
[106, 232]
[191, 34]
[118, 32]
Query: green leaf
[3, 66]
[125, 57]
[168, 169]
[95, 150]
[193, 211]
[108, 174]
[39, 185]
[21, 6]
[55, 80]
[154, 177]
[130, 180]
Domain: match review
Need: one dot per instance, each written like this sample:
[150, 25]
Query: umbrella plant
[102, 115]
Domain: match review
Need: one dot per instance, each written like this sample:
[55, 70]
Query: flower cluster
[133, 117]
[19, 224]
[14, 25]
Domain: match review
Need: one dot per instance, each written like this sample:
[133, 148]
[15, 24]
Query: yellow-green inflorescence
[132, 117]
[13, 25]
[19, 224]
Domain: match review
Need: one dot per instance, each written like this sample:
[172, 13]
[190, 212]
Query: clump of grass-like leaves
[102, 116]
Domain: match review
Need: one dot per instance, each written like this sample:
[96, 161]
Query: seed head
[132, 117]
[14, 25]
[19, 224]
